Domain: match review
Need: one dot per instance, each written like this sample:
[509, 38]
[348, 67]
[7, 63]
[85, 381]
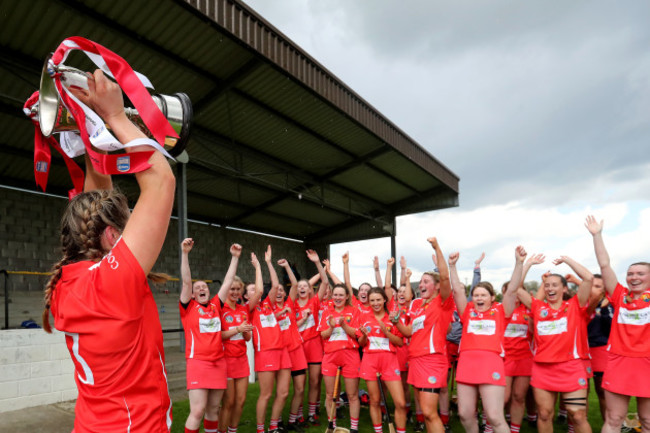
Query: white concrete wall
[35, 369]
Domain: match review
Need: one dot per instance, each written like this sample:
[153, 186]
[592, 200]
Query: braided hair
[83, 222]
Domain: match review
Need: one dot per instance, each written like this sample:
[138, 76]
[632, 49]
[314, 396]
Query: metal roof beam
[309, 178]
[224, 86]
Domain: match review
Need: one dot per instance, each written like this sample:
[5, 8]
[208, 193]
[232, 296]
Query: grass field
[247, 425]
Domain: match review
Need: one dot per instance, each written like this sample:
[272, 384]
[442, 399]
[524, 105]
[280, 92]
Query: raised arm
[259, 284]
[609, 276]
[346, 270]
[293, 291]
[458, 289]
[540, 294]
[328, 268]
[584, 289]
[388, 289]
[476, 277]
[235, 253]
[268, 258]
[510, 297]
[536, 259]
[186, 275]
[443, 270]
[402, 270]
[322, 288]
[375, 265]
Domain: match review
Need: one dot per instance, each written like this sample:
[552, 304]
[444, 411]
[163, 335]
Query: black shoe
[561, 419]
[419, 427]
[353, 430]
[294, 426]
[447, 428]
[313, 420]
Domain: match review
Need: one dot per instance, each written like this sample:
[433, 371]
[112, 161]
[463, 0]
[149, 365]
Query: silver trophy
[54, 117]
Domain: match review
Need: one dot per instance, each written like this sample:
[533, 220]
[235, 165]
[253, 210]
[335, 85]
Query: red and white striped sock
[444, 417]
[419, 416]
[377, 428]
[260, 428]
[354, 423]
[400, 430]
[232, 429]
[210, 426]
[293, 417]
[274, 424]
[488, 427]
[571, 429]
[312, 408]
[187, 430]
[514, 428]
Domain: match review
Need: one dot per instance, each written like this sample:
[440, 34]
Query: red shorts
[452, 352]
[272, 360]
[313, 350]
[480, 367]
[428, 371]
[403, 357]
[566, 376]
[298, 361]
[202, 374]
[518, 367]
[599, 356]
[627, 376]
[588, 370]
[237, 367]
[384, 363]
[348, 359]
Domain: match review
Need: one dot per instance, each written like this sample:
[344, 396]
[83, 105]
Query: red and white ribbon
[92, 130]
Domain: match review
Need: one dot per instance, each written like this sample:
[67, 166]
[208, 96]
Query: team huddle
[316, 330]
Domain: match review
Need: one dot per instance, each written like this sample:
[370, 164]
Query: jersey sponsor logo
[514, 330]
[284, 323]
[338, 334]
[552, 327]
[209, 325]
[268, 320]
[418, 324]
[378, 343]
[229, 318]
[309, 323]
[638, 317]
[237, 337]
[482, 327]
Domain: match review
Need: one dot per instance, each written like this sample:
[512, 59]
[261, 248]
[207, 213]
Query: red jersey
[339, 339]
[630, 324]
[483, 330]
[429, 323]
[202, 325]
[377, 340]
[309, 328]
[266, 332]
[235, 346]
[113, 333]
[557, 331]
[518, 336]
[403, 315]
[362, 308]
[287, 321]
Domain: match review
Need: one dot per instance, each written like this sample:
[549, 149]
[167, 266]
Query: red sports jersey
[309, 328]
[557, 331]
[110, 319]
[377, 340]
[287, 321]
[518, 336]
[483, 330]
[360, 306]
[235, 346]
[266, 331]
[339, 339]
[630, 324]
[202, 325]
[429, 326]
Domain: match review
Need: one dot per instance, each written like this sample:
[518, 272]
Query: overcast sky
[541, 108]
